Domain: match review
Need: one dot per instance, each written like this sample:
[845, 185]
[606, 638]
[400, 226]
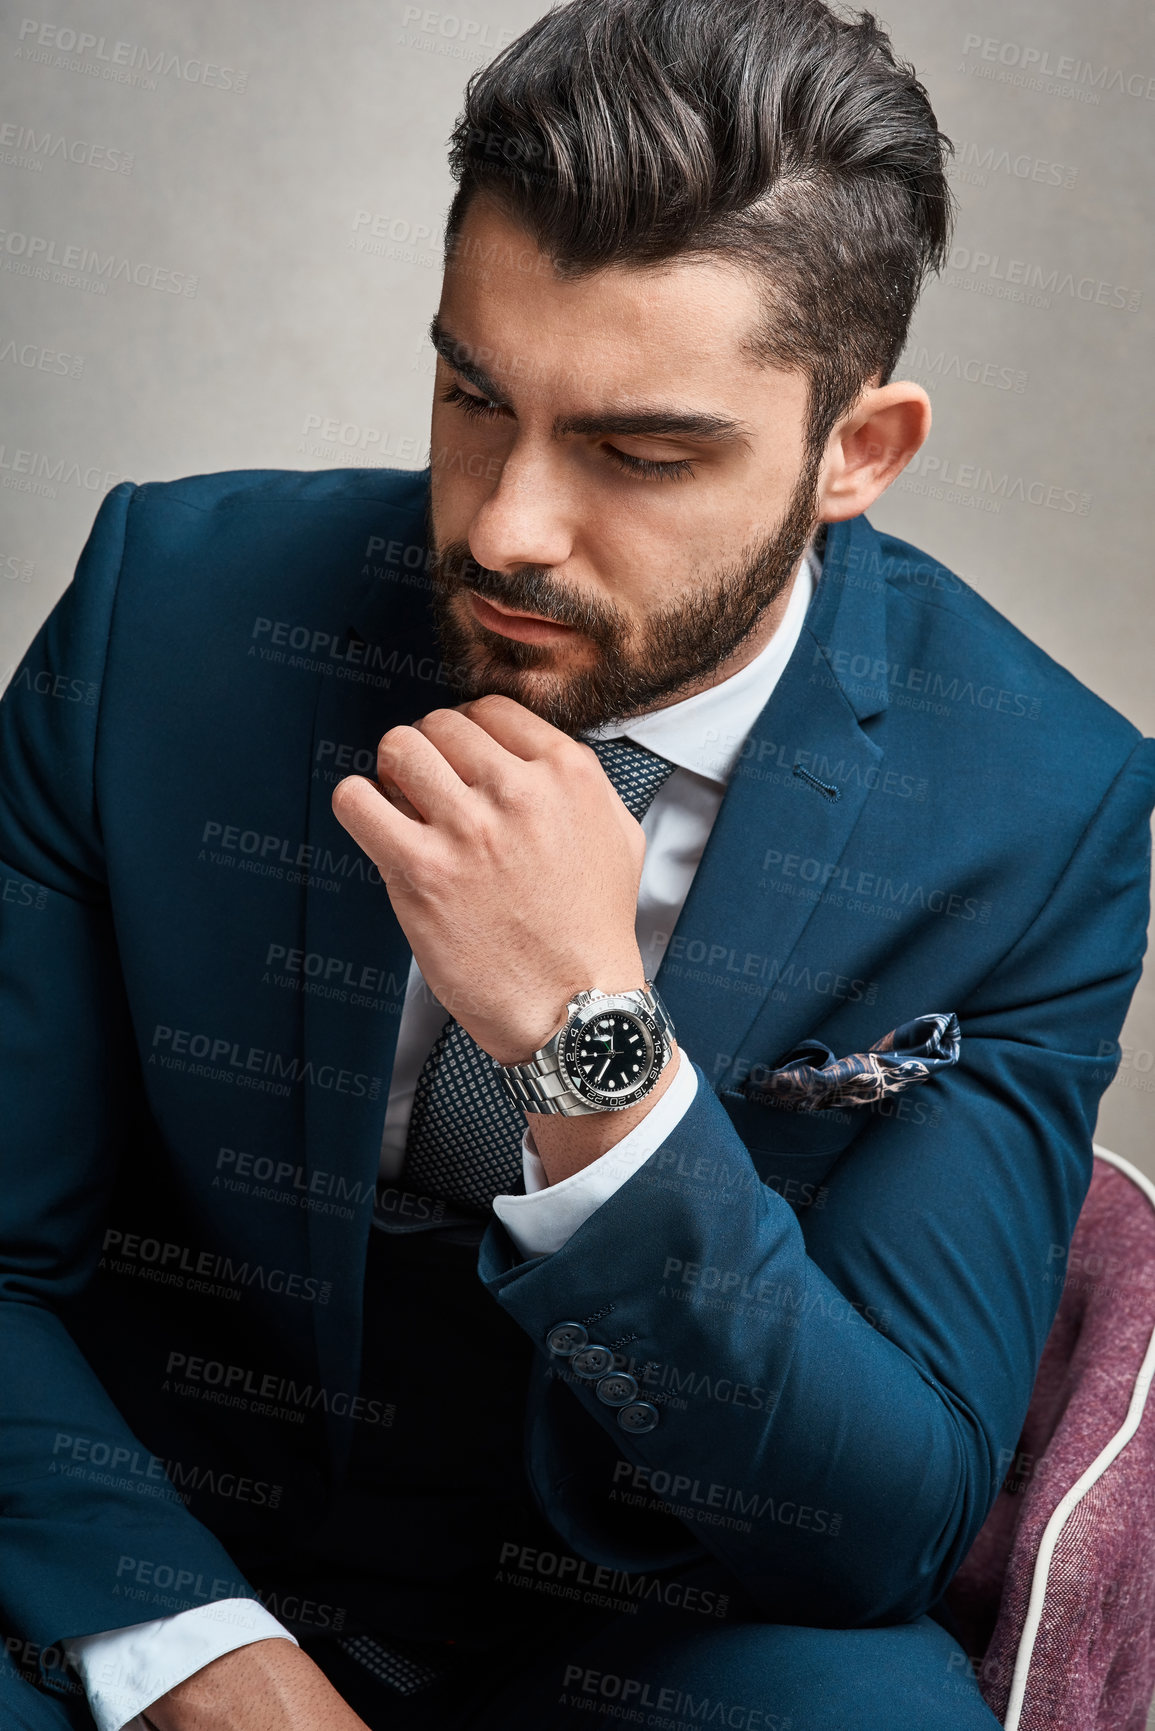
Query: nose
[524, 521]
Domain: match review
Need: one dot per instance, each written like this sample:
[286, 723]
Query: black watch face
[613, 1055]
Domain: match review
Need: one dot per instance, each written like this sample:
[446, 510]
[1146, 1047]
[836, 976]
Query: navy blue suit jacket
[839, 1313]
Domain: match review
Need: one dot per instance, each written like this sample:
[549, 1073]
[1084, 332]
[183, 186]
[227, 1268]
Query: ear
[870, 447]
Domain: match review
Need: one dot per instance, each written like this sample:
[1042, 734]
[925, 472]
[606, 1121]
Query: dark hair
[770, 132]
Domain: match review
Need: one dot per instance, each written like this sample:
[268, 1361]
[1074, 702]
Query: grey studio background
[255, 190]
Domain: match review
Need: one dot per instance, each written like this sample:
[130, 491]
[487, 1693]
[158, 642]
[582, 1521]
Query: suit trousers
[627, 1671]
[458, 1601]
[653, 1670]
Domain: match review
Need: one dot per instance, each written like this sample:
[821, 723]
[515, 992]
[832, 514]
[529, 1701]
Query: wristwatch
[607, 1055]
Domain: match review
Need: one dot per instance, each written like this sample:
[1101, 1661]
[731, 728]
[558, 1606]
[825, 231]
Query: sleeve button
[639, 1417]
[566, 1339]
[617, 1389]
[592, 1362]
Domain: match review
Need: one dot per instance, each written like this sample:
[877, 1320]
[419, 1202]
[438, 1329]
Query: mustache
[531, 590]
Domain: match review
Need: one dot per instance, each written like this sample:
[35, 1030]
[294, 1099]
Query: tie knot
[635, 772]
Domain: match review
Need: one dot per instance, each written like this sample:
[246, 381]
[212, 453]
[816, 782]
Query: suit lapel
[735, 935]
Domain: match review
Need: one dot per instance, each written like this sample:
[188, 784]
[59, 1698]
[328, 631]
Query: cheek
[663, 536]
[640, 557]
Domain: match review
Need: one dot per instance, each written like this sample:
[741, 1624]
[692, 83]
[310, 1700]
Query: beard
[677, 645]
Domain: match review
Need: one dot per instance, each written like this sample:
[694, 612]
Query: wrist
[607, 1055]
[538, 1024]
[567, 1145]
[268, 1685]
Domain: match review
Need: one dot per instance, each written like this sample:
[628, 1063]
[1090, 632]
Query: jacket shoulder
[955, 640]
[295, 543]
[240, 489]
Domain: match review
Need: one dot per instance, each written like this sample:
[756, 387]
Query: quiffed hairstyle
[770, 132]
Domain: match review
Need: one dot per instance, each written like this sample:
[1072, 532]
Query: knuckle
[394, 744]
[490, 703]
[515, 796]
[439, 717]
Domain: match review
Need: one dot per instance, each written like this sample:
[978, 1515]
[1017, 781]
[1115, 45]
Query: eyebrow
[655, 422]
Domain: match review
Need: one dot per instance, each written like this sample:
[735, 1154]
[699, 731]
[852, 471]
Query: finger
[477, 758]
[414, 765]
[517, 728]
[393, 841]
[390, 791]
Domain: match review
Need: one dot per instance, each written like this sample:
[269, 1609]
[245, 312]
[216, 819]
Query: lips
[527, 627]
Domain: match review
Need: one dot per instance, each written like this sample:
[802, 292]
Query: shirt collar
[705, 733]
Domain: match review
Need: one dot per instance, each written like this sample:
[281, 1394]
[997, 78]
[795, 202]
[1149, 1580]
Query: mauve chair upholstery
[1057, 1606]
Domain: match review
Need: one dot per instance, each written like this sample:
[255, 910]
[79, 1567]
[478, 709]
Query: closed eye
[643, 467]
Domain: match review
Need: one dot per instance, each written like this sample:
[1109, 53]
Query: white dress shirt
[123, 1670]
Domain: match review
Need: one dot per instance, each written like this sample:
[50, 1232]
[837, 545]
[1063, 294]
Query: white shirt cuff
[541, 1221]
[125, 1670]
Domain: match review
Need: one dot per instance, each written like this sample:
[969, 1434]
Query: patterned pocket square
[812, 1079]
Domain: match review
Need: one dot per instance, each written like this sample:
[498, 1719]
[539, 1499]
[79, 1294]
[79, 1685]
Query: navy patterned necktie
[465, 1133]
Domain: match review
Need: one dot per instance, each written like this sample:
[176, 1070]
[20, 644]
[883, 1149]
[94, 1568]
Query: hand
[511, 863]
[266, 1686]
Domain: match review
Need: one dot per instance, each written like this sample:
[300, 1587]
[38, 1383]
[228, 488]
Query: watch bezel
[575, 1028]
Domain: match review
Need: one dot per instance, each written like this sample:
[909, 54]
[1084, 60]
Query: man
[346, 1382]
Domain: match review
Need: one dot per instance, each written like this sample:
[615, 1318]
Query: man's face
[553, 405]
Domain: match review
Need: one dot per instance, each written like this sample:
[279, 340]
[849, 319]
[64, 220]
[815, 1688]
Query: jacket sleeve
[846, 1377]
[78, 1553]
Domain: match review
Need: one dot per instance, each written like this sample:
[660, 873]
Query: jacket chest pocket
[792, 1151]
